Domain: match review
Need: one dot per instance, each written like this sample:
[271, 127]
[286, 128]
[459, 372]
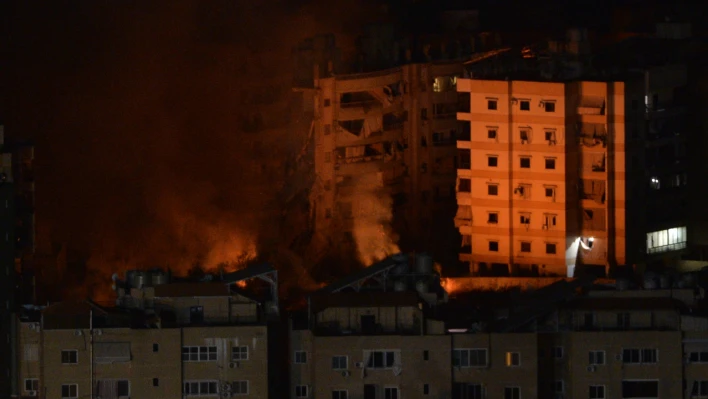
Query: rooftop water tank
[140, 279]
[424, 264]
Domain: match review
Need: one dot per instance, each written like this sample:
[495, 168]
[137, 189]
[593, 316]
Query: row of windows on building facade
[523, 190]
[189, 354]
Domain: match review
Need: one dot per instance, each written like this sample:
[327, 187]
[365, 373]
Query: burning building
[166, 338]
[385, 158]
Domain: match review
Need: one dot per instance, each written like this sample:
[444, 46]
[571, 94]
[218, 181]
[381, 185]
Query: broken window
[550, 137]
[593, 219]
[465, 186]
[593, 190]
[523, 191]
[550, 191]
[525, 218]
[525, 136]
[463, 216]
[549, 221]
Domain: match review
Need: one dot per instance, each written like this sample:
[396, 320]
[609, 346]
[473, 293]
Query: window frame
[210, 352]
[491, 244]
[297, 360]
[554, 247]
[239, 350]
[509, 359]
[69, 386]
[248, 388]
[525, 102]
[593, 357]
[469, 352]
[552, 163]
[492, 217]
[199, 384]
[491, 158]
[525, 159]
[492, 104]
[337, 394]
[640, 355]
[549, 106]
[387, 389]
[338, 358]
[304, 391]
[33, 382]
[75, 352]
[492, 133]
[495, 190]
[525, 247]
[596, 396]
[515, 392]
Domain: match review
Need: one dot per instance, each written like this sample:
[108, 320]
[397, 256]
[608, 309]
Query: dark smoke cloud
[136, 109]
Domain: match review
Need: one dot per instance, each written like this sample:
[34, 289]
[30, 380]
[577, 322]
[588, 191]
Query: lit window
[513, 359]
[666, 240]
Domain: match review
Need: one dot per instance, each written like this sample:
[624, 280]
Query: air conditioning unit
[32, 393]
[591, 369]
[359, 365]
[234, 365]
[346, 373]
[78, 333]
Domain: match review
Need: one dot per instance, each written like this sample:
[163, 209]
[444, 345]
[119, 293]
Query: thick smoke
[150, 150]
[373, 234]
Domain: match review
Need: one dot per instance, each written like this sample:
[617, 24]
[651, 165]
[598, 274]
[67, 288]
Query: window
[550, 163]
[239, 353]
[596, 358]
[550, 192]
[239, 387]
[300, 357]
[558, 352]
[493, 246]
[70, 390]
[327, 102]
[201, 388]
[549, 221]
[491, 133]
[69, 357]
[524, 136]
[196, 314]
[491, 104]
[426, 355]
[327, 129]
[199, 354]
[698, 357]
[426, 389]
[558, 386]
[340, 394]
[32, 384]
[523, 191]
[525, 246]
[666, 240]
[492, 161]
[469, 357]
[525, 162]
[640, 356]
[339, 362]
[550, 248]
[623, 320]
[512, 393]
[597, 392]
[31, 353]
[549, 106]
[156, 382]
[699, 389]
[525, 218]
[155, 347]
[465, 186]
[550, 136]
[492, 218]
[513, 359]
[644, 389]
[301, 391]
[390, 392]
[381, 359]
[525, 105]
[492, 189]
[112, 388]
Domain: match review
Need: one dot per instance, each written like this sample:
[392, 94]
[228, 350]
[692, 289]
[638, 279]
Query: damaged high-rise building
[385, 158]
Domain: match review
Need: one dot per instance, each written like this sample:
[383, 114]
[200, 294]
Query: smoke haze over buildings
[138, 112]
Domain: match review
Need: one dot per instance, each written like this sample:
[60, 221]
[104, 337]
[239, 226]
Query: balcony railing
[666, 248]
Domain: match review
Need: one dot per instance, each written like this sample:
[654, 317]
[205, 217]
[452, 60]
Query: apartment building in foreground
[165, 339]
[380, 335]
